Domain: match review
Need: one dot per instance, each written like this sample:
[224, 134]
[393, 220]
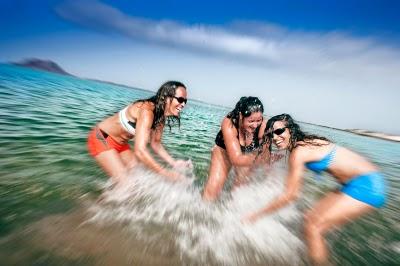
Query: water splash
[161, 214]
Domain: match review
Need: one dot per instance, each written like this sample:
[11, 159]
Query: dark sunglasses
[181, 99]
[278, 132]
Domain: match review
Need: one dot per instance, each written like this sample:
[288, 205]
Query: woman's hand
[183, 163]
[173, 175]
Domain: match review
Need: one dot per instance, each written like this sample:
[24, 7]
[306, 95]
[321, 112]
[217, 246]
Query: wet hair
[167, 90]
[245, 106]
[296, 134]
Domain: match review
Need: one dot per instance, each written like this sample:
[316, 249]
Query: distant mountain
[40, 64]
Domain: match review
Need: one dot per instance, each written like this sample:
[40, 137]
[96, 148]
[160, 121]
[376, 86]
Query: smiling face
[173, 105]
[281, 135]
[251, 122]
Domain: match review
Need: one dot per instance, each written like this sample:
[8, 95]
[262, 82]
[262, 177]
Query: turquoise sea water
[46, 175]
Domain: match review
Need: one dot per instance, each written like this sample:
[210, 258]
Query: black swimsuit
[254, 145]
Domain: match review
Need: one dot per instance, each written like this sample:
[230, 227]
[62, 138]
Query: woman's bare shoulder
[139, 109]
[143, 105]
[227, 125]
[301, 152]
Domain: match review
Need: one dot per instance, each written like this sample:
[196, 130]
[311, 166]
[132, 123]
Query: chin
[173, 112]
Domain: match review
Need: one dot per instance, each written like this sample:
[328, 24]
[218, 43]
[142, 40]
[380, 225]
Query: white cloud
[336, 73]
[99, 16]
[255, 41]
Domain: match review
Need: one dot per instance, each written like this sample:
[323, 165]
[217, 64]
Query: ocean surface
[56, 208]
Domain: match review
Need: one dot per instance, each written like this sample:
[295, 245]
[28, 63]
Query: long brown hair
[167, 90]
[296, 134]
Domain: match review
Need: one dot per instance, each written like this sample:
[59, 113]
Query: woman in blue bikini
[363, 187]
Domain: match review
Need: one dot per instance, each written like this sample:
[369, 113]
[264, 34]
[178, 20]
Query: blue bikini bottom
[368, 188]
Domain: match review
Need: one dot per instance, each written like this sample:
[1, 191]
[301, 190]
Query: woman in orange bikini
[143, 121]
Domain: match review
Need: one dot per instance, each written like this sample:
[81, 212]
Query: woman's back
[113, 125]
[340, 162]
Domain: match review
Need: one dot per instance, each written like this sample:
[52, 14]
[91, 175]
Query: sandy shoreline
[375, 134]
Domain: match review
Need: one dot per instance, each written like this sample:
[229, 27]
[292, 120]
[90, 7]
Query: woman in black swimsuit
[238, 144]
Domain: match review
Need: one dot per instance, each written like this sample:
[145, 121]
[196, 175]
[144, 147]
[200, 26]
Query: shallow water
[55, 209]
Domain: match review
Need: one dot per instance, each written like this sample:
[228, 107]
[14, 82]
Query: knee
[312, 223]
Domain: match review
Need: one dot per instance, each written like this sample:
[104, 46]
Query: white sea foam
[159, 213]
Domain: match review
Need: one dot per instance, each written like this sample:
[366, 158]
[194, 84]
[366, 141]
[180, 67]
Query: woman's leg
[218, 173]
[242, 175]
[335, 209]
[129, 159]
[112, 164]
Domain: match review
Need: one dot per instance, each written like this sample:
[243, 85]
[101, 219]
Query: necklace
[246, 134]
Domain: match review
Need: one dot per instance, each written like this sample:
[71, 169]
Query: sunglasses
[278, 132]
[181, 99]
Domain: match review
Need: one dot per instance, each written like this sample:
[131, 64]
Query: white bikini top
[129, 126]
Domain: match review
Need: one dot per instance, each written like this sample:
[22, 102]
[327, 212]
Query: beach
[50, 186]
[372, 134]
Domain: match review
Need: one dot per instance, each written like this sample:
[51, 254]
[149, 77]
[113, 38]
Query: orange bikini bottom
[99, 141]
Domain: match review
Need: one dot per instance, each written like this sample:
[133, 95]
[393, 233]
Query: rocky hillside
[46, 65]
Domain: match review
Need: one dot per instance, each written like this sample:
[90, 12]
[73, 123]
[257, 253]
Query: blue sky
[333, 63]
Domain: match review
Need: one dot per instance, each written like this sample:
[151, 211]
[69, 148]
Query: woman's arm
[158, 148]
[142, 138]
[235, 154]
[291, 191]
